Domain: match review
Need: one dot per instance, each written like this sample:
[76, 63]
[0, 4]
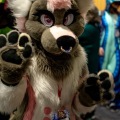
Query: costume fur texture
[49, 60]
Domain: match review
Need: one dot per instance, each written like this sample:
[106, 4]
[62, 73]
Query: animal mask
[49, 20]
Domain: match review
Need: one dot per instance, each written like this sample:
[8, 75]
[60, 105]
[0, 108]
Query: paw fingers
[23, 39]
[3, 41]
[106, 84]
[92, 79]
[24, 43]
[27, 52]
[103, 76]
[107, 96]
[99, 87]
[106, 78]
[92, 87]
[16, 47]
[13, 36]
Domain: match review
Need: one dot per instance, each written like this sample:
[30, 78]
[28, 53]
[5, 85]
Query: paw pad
[15, 48]
[3, 41]
[100, 87]
[13, 37]
[106, 84]
[11, 56]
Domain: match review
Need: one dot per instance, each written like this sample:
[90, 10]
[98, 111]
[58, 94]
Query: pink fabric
[21, 24]
[59, 4]
[31, 102]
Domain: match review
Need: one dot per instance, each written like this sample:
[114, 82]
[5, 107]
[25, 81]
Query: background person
[110, 46]
[90, 40]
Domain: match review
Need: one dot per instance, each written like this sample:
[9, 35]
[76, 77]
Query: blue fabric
[108, 2]
[111, 46]
[111, 1]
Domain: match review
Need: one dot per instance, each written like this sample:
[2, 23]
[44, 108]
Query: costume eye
[46, 20]
[68, 20]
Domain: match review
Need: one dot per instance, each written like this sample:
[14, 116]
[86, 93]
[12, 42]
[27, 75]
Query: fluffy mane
[58, 4]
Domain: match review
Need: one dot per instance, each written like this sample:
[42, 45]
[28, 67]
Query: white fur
[60, 30]
[46, 88]
[11, 97]
[20, 7]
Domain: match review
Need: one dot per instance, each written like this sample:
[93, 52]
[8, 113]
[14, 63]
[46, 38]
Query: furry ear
[19, 8]
[84, 5]
[58, 4]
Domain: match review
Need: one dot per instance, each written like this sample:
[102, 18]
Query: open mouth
[66, 43]
[66, 50]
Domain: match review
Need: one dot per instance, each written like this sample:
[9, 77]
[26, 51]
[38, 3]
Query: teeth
[66, 51]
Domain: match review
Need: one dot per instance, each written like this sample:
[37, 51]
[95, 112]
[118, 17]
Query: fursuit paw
[15, 48]
[97, 89]
[15, 53]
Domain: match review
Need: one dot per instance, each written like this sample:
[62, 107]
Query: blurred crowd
[101, 41]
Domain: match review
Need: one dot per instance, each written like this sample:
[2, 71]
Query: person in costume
[44, 73]
[90, 40]
[110, 44]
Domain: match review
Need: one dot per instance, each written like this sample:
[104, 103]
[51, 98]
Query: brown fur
[58, 73]
[51, 60]
[55, 65]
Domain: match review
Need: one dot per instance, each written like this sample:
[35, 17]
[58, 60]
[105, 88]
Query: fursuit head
[44, 73]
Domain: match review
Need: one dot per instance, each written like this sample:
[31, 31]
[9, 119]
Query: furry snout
[66, 43]
[60, 40]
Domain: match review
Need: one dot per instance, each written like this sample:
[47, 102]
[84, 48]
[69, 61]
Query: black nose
[66, 43]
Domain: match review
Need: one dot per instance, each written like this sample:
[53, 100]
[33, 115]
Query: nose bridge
[60, 30]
